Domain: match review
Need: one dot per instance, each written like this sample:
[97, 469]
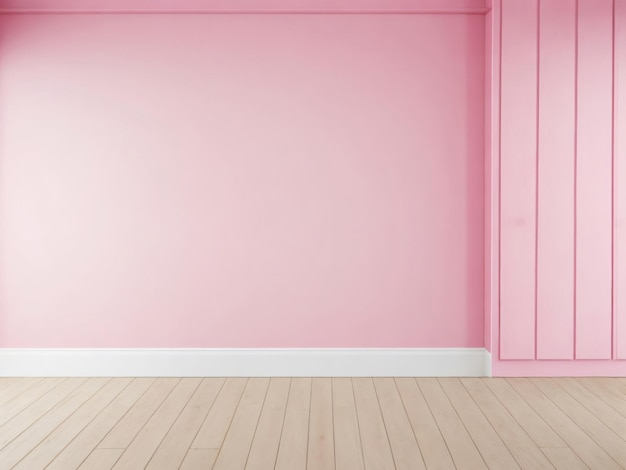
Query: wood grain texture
[606, 391]
[564, 458]
[576, 438]
[35, 411]
[321, 455]
[491, 447]
[172, 450]
[17, 387]
[460, 443]
[127, 428]
[348, 453]
[594, 404]
[429, 437]
[199, 458]
[35, 436]
[526, 452]
[293, 449]
[215, 426]
[591, 424]
[264, 447]
[88, 439]
[146, 442]
[374, 439]
[534, 425]
[404, 447]
[234, 451]
[65, 432]
[319, 423]
[13, 406]
[101, 459]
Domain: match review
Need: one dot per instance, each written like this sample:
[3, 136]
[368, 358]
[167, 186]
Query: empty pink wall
[241, 180]
[561, 187]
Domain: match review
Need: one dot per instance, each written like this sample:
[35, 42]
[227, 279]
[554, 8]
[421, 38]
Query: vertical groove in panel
[537, 91]
[612, 193]
[518, 179]
[575, 171]
[594, 181]
[495, 184]
[500, 183]
[619, 160]
[487, 184]
[555, 179]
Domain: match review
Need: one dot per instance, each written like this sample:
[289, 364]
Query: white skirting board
[288, 362]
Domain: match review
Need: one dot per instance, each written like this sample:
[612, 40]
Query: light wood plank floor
[319, 423]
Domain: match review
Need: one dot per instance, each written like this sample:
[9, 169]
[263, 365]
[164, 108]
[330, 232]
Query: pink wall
[561, 182]
[241, 180]
[619, 175]
[488, 148]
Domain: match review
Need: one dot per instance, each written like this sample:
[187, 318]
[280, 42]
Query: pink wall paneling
[619, 128]
[492, 182]
[580, 176]
[594, 160]
[557, 222]
[518, 179]
[555, 179]
[488, 238]
[559, 368]
[241, 180]
[238, 6]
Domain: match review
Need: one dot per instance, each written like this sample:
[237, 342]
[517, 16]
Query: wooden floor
[320, 423]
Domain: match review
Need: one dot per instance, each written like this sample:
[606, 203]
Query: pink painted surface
[580, 183]
[492, 192]
[518, 179]
[619, 127]
[243, 5]
[559, 368]
[488, 176]
[594, 181]
[241, 181]
[555, 180]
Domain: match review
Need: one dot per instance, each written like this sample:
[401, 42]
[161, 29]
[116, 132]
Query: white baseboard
[436, 362]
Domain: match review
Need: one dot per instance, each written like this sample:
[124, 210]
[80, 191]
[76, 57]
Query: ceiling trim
[246, 6]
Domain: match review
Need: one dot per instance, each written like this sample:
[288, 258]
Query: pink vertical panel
[555, 180]
[594, 180]
[493, 192]
[488, 178]
[619, 126]
[518, 179]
